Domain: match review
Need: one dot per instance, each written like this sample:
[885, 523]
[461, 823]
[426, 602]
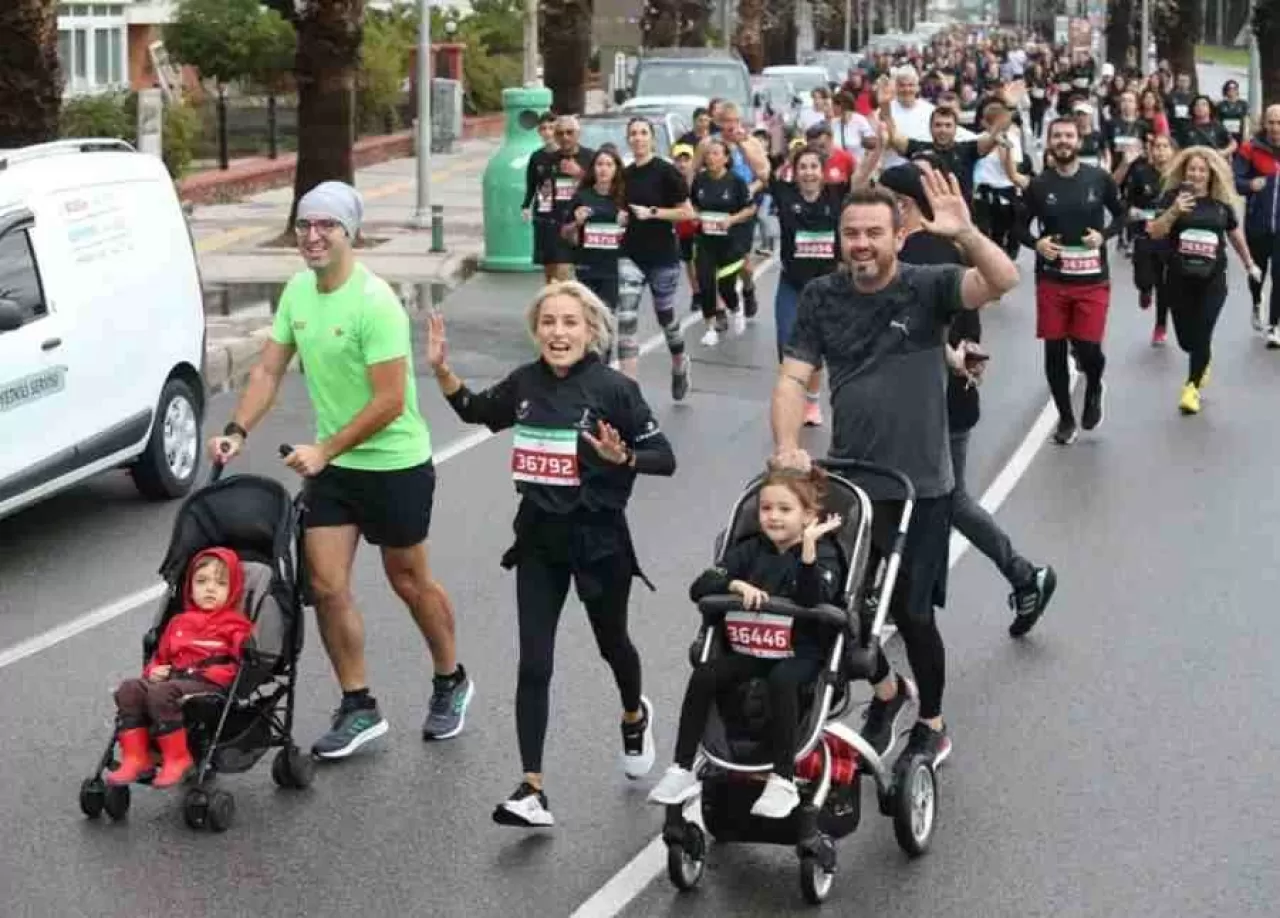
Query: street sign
[151, 121]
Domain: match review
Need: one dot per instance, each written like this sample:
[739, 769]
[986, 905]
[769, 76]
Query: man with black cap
[369, 473]
[1032, 586]
[879, 327]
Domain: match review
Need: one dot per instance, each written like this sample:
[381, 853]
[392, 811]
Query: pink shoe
[813, 415]
[1159, 336]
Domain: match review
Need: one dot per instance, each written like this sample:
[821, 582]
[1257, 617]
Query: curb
[227, 362]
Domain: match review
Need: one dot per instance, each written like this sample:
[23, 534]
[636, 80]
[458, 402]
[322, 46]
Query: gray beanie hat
[336, 201]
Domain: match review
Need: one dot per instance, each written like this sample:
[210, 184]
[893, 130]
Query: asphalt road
[1110, 765]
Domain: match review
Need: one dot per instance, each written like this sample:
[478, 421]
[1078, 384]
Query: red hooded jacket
[206, 644]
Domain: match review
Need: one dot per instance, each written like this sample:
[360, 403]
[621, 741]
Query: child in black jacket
[789, 559]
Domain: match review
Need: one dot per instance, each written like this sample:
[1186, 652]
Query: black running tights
[541, 589]
[1058, 375]
[927, 656]
[785, 677]
[1196, 305]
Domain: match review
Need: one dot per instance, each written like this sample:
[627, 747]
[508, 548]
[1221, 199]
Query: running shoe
[738, 323]
[722, 321]
[885, 719]
[1255, 317]
[677, 786]
[750, 305]
[1190, 401]
[525, 809]
[1144, 299]
[680, 378]
[1159, 336]
[710, 338]
[1273, 338]
[1094, 412]
[812, 414]
[1030, 600]
[934, 745]
[637, 743]
[1066, 433]
[777, 800]
[447, 711]
[352, 728]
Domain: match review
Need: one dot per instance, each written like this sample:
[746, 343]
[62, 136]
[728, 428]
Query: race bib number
[1078, 261]
[1037, 93]
[1081, 82]
[1232, 125]
[544, 202]
[820, 246]
[1089, 160]
[605, 236]
[1198, 243]
[545, 456]
[1181, 111]
[967, 116]
[759, 634]
[714, 224]
[565, 187]
[1124, 142]
[1144, 214]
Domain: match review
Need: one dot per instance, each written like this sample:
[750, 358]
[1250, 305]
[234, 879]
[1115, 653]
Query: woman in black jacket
[582, 434]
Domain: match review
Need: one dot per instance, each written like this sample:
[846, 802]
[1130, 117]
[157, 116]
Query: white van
[101, 323]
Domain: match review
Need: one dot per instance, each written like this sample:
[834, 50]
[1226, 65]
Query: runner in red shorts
[1073, 286]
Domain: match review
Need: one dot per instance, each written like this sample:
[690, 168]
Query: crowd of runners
[896, 216]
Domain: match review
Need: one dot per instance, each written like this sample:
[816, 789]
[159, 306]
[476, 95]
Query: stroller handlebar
[838, 466]
[714, 608]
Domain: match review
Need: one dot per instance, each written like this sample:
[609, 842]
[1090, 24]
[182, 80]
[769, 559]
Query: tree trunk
[329, 33]
[30, 77]
[565, 31]
[695, 17]
[1120, 27]
[779, 32]
[748, 38]
[1175, 25]
[1266, 26]
[660, 24]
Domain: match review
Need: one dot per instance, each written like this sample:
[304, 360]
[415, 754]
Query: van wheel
[167, 467]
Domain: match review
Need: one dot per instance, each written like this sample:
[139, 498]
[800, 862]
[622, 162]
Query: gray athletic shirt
[888, 376]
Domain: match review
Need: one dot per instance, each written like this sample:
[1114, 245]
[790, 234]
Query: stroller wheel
[292, 769]
[93, 797]
[687, 859]
[815, 880]
[222, 810]
[117, 801]
[195, 808]
[915, 806]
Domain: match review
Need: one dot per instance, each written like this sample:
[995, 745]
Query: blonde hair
[597, 315]
[1222, 186]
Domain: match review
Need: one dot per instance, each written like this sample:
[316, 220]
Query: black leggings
[996, 220]
[785, 677]
[1058, 375]
[1262, 246]
[1149, 266]
[1038, 108]
[1196, 305]
[711, 258]
[541, 589]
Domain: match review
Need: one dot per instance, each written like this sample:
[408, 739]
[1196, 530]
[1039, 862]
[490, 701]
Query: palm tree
[1175, 25]
[1266, 26]
[1121, 24]
[30, 77]
[565, 31]
[749, 36]
[660, 23]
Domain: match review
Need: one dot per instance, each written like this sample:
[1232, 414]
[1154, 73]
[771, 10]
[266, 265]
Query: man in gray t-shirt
[880, 328]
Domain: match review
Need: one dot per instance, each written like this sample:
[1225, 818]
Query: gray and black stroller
[228, 732]
[831, 758]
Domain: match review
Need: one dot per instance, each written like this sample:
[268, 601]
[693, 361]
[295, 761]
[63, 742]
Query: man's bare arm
[264, 382]
[787, 413]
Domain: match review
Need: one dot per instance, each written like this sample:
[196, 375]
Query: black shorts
[549, 247]
[686, 249]
[391, 509]
[922, 578]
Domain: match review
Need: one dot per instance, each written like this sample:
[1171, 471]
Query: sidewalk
[243, 269]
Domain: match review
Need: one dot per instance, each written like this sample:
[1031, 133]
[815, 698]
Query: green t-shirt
[338, 336]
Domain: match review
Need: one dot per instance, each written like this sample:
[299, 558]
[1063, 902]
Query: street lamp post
[422, 210]
[530, 42]
[848, 26]
[1144, 55]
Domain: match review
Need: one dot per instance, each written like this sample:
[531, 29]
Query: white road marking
[126, 604]
[629, 882]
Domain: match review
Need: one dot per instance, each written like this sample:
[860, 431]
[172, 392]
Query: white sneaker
[637, 744]
[710, 338]
[777, 800]
[525, 809]
[1258, 325]
[677, 786]
[1273, 338]
[738, 323]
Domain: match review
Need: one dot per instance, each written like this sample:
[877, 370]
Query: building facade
[107, 46]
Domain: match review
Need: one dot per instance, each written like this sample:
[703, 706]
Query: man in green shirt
[369, 473]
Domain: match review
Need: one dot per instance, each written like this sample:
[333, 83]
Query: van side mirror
[619, 96]
[757, 100]
[10, 316]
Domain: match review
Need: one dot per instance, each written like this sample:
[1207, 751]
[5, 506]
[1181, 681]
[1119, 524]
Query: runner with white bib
[725, 213]
[598, 211]
[583, 432]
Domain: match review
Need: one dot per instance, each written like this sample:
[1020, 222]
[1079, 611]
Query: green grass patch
[1223, 57]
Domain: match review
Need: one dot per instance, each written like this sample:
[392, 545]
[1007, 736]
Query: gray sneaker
[352, 728]
[447, 712]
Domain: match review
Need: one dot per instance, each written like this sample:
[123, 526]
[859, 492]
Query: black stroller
[229, 732]
[832, 758]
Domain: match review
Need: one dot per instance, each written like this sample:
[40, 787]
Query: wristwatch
[235, 430]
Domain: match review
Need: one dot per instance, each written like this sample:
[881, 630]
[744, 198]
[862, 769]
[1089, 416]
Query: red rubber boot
[175, 758]
[135, 756]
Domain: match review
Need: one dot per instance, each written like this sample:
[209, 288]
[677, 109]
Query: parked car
[682, 107]
[101, 323]
[612, 128]
[709, 73]
[836, 63]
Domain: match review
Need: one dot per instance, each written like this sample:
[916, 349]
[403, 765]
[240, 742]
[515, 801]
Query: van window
[19, 277]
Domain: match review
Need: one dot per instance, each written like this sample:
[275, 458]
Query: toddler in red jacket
[199, 652]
